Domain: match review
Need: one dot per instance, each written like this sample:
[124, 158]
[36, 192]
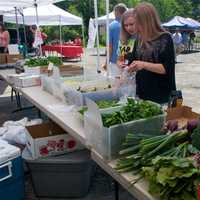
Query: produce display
[34, 62]
[84, 86]
[133, 110]
[170, 162]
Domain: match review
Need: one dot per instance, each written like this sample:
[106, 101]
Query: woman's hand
[152, 67]
[136, 66]
[121, 64]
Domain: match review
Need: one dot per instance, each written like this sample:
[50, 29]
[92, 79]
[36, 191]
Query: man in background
[179, 47]
[114, 33]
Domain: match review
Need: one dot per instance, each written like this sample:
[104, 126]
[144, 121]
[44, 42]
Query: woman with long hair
[127, 38]
[153, 56]
[4, 39]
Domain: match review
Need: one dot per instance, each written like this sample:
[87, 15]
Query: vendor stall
[68, 51]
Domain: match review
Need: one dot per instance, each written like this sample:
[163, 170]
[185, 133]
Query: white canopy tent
[106, 20]
[47, 15]
[21, 4]
[103, 19]
[24, 3]
[6, 9]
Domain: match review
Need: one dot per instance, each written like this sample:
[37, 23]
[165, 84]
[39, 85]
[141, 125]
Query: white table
[139, 190]
[70, 121]
[59, 112]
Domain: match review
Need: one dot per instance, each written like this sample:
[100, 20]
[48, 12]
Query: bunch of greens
[82, 110]
[173, 178]
[169, 162]
[133, 110]
[107, 103]
[55, 60]
[34, 62]
[139, 151]
[102, 104]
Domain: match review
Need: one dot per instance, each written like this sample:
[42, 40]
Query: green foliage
[173, 178]
[34, 62]
[85, 9]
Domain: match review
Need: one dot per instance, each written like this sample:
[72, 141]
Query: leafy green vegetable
[55, 60]
[102, 104]
[82, 110]
[107, 103]
[133, 110]
[196, 137]
[34, 62]
[173, 178]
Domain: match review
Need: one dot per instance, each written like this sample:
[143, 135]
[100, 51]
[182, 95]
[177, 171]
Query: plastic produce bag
[15, 131]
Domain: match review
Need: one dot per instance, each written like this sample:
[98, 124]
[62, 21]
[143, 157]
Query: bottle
[176, 99]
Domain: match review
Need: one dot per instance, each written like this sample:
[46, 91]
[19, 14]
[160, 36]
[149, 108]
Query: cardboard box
[13, 58]
[12, 78]
[3, 58]
[70, 70]
[182, 114]
[28, 81]
[49, 139]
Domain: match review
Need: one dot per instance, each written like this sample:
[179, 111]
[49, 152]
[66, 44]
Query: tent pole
[37, 21]
[97, 27]
[60, 28]
[84, 48]
[17, 26]
[25, 39]
[83, 35]
[107, 37]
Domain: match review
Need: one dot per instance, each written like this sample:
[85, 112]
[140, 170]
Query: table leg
[116, 188]
[39, 113]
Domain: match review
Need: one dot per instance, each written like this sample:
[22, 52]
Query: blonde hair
[124, 34]
[148, 19]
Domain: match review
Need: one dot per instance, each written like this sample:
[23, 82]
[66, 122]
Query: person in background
[4, 39]
[127, 38]
[114, 33]
[191, 40]
[185, 40]
[30, 39]
[77, 41]
[152, 57]
[178, 39]
[43, 35]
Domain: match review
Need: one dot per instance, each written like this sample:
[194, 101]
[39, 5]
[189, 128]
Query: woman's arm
[137, 65]
[7, 38]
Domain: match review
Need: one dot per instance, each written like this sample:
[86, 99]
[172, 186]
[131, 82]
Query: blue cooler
[11, 173]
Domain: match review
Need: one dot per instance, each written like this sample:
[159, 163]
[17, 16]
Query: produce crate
[13, 58]
[70, 70]
[3, 58]
[107, 141]
[99, 89]
[181, 114]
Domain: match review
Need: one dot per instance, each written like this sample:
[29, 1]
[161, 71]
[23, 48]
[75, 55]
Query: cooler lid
[8, 152]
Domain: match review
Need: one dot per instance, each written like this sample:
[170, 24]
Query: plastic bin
[66, 176]
[108, 141]
[11, 173]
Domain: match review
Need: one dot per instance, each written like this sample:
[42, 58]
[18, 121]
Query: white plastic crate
[107, 141]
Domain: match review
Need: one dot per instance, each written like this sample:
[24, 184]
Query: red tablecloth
[66, 50]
